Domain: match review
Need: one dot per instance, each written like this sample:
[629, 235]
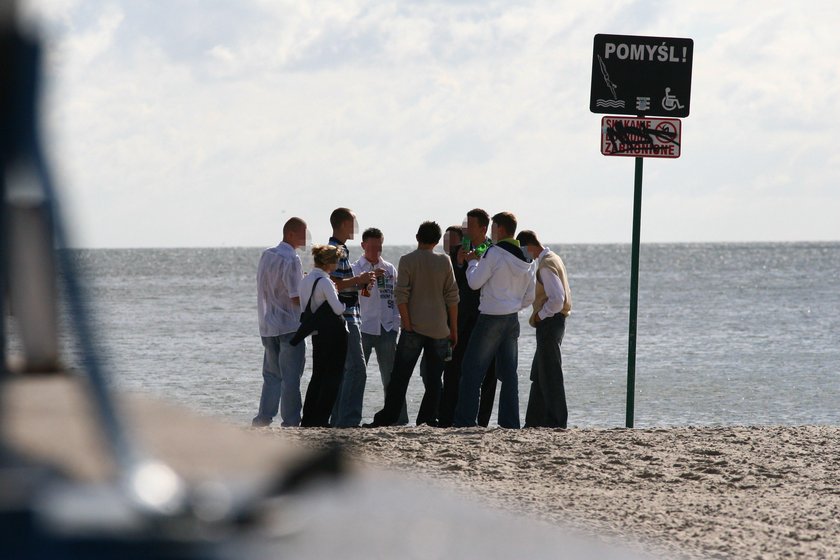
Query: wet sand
[716, 492]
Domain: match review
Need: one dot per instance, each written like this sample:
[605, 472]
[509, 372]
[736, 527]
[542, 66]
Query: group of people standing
[459, 310]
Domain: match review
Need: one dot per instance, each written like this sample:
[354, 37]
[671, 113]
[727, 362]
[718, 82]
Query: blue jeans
[347, 412]
[493, 336]
[409, 347]
[385, 344]
[282, 368]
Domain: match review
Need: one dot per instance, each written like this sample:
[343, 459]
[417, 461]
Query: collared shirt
[379, 309]
[348, 296]
[278, 280]
[553, 289]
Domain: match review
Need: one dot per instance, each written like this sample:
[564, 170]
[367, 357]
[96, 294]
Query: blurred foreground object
[27, 257]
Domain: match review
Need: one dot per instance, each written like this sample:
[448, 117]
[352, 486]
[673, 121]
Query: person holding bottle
[474, 237]
[378, 309]
[348, 406]
[505, 276]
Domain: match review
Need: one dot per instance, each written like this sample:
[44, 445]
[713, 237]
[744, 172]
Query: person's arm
[451, 297]
[292, 279]
[453, 324]
[461, 257]
[402, 288]
[555, 292]
[405, 318]
[530, 292]
[305, 293]
[480, 270]
[331, 297]
[355, 281]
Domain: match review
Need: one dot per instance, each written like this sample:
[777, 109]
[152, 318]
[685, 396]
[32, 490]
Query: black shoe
[371, 425]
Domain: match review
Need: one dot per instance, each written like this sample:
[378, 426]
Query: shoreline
[690, 492]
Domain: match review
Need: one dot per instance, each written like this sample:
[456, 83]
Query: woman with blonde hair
[329, 342]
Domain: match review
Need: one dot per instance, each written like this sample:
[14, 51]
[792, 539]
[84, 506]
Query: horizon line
[548, 243]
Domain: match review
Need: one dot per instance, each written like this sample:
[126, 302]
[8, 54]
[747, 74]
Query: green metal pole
[634, 293]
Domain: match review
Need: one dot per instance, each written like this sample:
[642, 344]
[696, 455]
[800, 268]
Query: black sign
[641, 75]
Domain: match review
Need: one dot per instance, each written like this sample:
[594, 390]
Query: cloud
[190, 123]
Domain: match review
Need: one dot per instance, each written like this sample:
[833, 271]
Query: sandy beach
[712, 492]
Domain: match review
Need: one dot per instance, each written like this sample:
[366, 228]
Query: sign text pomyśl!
[650, 53]
[634, 75]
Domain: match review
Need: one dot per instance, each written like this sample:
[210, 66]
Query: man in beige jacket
[427, 295]
[552, 304]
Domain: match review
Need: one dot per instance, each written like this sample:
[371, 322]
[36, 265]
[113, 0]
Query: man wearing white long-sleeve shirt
[552, 304]
[378, 309]
[278, 305]
[506, 279]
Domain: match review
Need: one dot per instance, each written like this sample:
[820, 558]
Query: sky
[201, 124]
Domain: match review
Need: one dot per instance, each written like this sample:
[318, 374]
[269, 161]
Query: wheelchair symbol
[670, 102]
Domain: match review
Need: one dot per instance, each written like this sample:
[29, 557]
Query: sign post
[640, 76]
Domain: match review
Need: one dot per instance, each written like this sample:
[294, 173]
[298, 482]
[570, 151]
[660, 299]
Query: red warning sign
[640, 137]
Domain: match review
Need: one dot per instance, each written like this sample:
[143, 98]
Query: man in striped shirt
[348, 407]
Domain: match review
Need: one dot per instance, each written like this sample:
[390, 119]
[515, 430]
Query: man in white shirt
[552, 304]
[378, 310]
[278, 308]
[506, 279]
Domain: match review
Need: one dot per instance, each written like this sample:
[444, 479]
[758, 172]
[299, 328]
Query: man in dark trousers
[476, 232]
[427, 296]
[552, 304]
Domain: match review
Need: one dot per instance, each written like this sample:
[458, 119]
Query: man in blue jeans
[427, 296]
[506, 279]
[278, 306]
[347, 412]
[379, 312]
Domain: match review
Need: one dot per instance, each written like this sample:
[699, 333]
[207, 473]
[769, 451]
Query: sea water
[727, 333]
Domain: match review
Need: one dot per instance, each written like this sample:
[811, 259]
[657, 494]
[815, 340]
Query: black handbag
[311, 321]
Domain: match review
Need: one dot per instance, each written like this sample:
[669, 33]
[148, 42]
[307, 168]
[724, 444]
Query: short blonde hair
[326, 254]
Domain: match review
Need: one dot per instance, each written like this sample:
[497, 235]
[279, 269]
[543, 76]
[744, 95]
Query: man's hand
[453, 337]
[365, 278]
[405, 323]
[471, 256]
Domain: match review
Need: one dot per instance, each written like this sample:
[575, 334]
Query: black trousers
[329, 349]
[547, 400]
[452, 379]
[409, 347]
